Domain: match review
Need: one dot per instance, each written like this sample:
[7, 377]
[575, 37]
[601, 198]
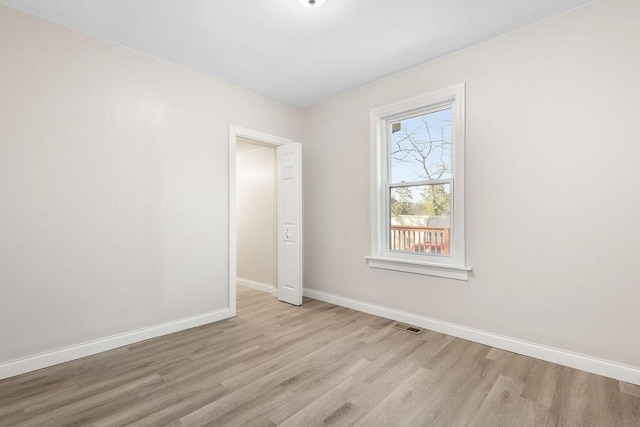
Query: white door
[290, 223]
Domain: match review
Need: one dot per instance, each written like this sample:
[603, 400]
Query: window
[417, 189]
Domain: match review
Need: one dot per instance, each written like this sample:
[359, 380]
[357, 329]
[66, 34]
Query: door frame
[261, 138]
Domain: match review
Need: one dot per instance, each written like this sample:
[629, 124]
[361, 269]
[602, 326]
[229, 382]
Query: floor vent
[408, 328]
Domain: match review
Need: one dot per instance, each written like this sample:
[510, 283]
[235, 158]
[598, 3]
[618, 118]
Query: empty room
[319, 212]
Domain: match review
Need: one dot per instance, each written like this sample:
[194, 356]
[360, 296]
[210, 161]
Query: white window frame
[451, 266]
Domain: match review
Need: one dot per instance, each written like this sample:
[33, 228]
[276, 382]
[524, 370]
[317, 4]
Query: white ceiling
[292, 53]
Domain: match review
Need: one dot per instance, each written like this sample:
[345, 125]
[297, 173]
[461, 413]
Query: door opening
[288, 214]
[256, 213]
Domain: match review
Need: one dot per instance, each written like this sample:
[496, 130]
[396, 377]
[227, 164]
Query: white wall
[552, 187]
[113, 186]
[256, 215]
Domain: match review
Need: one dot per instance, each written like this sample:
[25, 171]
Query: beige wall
[552, 187]
[256, 215]
[114, 186]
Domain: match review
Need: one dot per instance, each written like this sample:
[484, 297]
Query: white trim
[267, 139]
[453, 96]
[618, 371]
[417, 267]
[258, 136]
[66, 354]
[258, 286]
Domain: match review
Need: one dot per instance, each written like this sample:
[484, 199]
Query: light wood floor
[276, 364]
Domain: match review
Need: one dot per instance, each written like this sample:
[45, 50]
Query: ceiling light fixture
[311, 3]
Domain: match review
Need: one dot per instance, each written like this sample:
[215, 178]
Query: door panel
[290, 223]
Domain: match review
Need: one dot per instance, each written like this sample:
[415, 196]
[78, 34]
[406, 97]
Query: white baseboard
[259, 286]
[594, 365]
[66, 354]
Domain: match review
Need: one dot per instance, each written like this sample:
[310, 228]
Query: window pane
[420, 219]
[420, 147]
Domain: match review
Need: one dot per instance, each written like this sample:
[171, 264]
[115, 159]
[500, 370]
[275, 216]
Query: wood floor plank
[630, 389]
[630, 410]
[293, 376]
[256, 411]
[584, 399]
[75, 411]
[504, 406]
[177, 400]
[413, 396]
[318, 364]
[333, 407]
[542, 382]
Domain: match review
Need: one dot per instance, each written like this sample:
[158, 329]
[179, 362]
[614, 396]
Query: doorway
[256, 210]
[288, 216]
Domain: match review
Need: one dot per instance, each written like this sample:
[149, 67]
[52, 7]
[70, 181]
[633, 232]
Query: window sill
[417, 267]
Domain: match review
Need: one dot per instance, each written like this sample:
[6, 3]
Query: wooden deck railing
[410, 238]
